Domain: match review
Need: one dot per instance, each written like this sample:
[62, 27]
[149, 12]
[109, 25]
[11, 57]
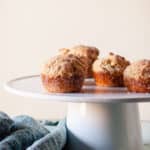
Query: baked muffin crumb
[63, 74]
[109, 71]
[63, 66]
[113, 63]
[87, 53]
[137, 76]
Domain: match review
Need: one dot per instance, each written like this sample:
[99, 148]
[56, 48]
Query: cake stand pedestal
[98, 118]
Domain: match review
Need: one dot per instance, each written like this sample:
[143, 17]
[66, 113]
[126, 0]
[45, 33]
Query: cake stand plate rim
[74, 97]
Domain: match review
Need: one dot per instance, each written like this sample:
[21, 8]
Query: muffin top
[138, 70]
[64, 66]
[82, 51]
[112, 64]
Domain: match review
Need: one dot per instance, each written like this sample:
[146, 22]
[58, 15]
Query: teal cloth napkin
[55, 140]
[25, 133]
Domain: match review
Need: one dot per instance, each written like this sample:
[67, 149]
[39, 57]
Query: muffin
[109, 71]
[137, 76]
[87, 53]
[63, 74]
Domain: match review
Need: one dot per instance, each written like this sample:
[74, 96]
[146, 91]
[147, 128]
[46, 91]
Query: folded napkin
[25, 133]
[52, 141]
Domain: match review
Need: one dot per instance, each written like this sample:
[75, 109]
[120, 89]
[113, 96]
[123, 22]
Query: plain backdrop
[31, 31]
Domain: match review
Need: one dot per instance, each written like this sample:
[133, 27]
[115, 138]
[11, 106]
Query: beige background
[33, 30]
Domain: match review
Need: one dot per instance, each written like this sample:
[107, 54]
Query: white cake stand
[98, 118]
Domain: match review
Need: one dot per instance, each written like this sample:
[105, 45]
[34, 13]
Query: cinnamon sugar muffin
[137, 76]
[109, 71]
[63, 74]
[87, 53]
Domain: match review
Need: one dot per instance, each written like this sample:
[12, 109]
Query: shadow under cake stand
[98, 118]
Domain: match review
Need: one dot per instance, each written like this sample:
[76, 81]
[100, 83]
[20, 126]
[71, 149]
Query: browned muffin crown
[137, 76]
[63, 66]
[109, 71]
[112, 64]
[138, 70]
[87, 53]
[63, 73]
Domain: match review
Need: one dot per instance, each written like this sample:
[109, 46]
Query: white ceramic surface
[31, 86]
[103, 126]
[146, 132]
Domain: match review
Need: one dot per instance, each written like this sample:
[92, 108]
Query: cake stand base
[99, 118]
[107, 126]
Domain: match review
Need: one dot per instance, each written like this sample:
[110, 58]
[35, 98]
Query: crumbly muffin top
[138, 70]
[64, 51]
[64, 66]
[112, 64]
[82, 51]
